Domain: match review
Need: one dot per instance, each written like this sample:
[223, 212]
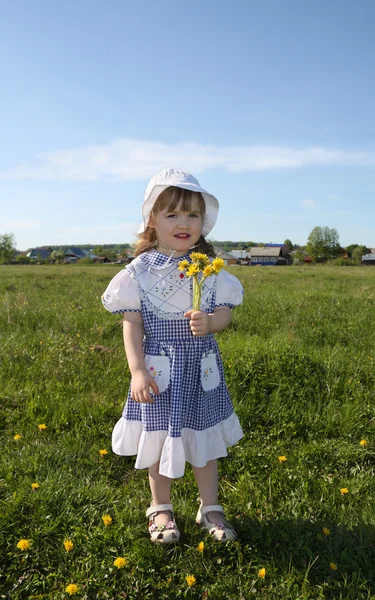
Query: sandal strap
[153, 510]
[211, 508]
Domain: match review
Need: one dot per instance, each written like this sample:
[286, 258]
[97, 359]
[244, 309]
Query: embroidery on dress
[154, 373]
[163, 290]
[207, 373]
[179, 314]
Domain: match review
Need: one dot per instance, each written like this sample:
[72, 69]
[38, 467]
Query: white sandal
[221, 532]
[162, 534]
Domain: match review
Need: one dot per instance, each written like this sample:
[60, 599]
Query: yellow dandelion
[34, 486]
[42, 426]
[68, 545]
[282, 459]
[192, 270]
[217, 265]
[333, 566]
[17, 437]
[23, 545]
[183, 265]
[326, 531]
[103, 452]
[107, 520]
[199, 257]
[190, 580]
[200, 547]
[344, 491]
[363, 442]
[208, 271]
[120, 562]
[262, 573]
[71, 589]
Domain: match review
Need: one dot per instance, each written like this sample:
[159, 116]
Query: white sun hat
[186, 181]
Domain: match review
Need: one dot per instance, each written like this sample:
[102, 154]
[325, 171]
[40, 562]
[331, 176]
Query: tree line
[322, 244]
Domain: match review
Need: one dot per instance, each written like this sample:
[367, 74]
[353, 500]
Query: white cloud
[126, 159]
[308, 203]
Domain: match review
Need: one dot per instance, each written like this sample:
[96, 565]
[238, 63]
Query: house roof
[75, 250]
[223, 254]
[261, 251]
[368, 257]
[41, 252]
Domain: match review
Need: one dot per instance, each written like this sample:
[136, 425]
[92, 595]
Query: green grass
[299, 359]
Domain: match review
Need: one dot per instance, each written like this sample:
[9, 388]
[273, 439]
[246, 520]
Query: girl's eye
[170, 216]
[194, 215]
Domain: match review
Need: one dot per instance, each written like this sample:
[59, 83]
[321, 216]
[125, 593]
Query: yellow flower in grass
[183, 265]
[17, 437]
[344, 491]
[71, 589]
[192, 270]
[103, 452]
[333, 566]
[120, 562]
[190, 580]
[282, 459]
[363, 442]
[107, 520]
[68, 545]
[42, 427]
[262, 573]
[217, 264]
[35, 486]
[23, 545]
[326, 531]
[200, 547]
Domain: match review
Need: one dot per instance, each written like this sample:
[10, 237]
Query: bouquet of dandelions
[199, 269]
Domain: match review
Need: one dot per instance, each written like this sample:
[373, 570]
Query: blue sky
[270, 104]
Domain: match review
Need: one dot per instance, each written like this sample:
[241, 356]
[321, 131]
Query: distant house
[242, 256]
[227, 257]
[44, 252]
[270, 255]
[368, 259]
[73, 253]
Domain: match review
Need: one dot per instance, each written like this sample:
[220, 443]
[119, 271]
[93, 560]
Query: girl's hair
[170, 199]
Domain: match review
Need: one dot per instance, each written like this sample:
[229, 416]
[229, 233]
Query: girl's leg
[208, 484]
[161, 492]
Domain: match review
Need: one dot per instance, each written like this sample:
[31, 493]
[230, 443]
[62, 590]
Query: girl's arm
[202, 323]
[133, 342]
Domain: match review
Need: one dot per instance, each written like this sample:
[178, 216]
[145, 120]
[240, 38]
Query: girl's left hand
[199, 322]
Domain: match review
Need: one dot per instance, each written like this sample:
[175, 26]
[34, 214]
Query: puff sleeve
[122, 294]
[229, 291]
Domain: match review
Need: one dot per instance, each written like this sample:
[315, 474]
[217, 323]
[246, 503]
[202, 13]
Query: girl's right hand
[141, 383]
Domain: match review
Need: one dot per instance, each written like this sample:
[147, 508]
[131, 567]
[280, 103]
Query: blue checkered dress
[195, 394]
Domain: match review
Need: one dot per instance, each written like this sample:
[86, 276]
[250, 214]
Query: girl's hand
[140, 385]
[199, 322]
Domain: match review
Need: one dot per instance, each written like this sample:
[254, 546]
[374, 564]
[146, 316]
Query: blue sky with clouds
[270, 104]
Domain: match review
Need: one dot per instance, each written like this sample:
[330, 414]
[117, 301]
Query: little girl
[178, 407]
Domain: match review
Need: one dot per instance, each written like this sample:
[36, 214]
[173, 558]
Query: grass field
[299, 359]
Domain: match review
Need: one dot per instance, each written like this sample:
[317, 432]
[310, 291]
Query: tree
[288, 243]
[350, 249]
[323, 242]
[7, 247]
[58, 255]
[358, 252]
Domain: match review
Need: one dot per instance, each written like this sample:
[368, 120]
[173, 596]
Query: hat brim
[212, 205]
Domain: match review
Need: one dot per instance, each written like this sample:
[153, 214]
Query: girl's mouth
[182, 236]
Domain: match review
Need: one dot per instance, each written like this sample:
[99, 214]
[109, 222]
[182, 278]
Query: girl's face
[178, 229]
